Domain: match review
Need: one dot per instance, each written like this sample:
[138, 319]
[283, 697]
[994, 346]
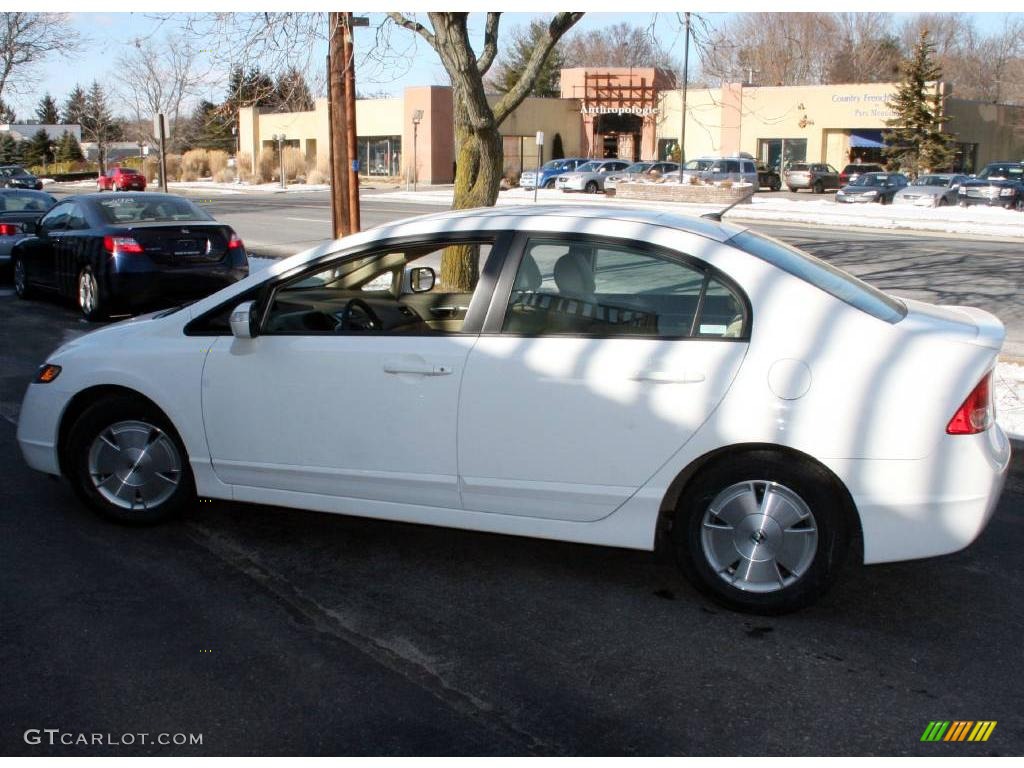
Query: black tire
[96, 310]
[549, 184]
[591, 187]
[791, 189]
[830, 518]
[22, 288]
[97, 419]
[776, 185]
[819, 188]
[942, 202]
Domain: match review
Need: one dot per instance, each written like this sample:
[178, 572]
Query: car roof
[498, 217]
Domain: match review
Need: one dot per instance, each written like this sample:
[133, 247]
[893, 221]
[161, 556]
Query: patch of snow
[980, 221]
[257, 263]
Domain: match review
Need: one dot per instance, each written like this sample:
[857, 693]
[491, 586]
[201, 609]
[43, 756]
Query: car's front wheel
[549, 184]
[127, 463]
[591, 187]
[762, 533]
[90, 298]
[21, 284]
[819, 188]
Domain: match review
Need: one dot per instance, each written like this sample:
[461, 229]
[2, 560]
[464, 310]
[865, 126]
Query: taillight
[235, 242]
[977, 413]
[121, 245]
[10, 229]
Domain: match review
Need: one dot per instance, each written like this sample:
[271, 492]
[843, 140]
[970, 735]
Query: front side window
[421, 289]
[584, 288]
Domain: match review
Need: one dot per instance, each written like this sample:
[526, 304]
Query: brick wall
[681, 193]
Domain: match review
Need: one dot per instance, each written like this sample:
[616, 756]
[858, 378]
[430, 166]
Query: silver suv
[735, 168]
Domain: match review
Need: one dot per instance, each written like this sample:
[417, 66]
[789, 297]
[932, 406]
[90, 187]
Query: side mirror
[243, 320]
[422, 279]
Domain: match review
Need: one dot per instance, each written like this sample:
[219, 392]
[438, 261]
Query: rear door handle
[418, 370]
[669, 377]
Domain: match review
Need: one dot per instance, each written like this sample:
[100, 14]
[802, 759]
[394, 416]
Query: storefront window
[781, 152]
[380, 155]
[966, 158]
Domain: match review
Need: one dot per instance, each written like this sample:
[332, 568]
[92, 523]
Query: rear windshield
[823, 275]
[799, 167]
[128, 171]
[128, 210]
[26, 201]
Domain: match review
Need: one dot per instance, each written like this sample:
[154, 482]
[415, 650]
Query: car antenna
[717, 215]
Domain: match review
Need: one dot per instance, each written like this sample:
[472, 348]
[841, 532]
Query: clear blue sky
[111, 32]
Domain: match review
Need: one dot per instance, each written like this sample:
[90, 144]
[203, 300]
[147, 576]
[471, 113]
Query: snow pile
[976, 220]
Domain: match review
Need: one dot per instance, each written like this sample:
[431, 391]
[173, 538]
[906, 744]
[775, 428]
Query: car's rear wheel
[791, 189]
[775, 185]
[591, 187]
[762, 533]
[90, 298]
[549, 184]
[20, 277]
[941, 202]
[127, 463]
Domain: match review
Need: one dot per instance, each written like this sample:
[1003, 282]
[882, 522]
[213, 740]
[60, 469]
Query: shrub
[224, 175]
[195, 163]
[315, 177]
[173, 167]
[266, 166]
[294, 163]
[218, 161]
[151, 169]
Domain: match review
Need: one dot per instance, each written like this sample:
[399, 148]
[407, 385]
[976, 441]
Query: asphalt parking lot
[272, 631]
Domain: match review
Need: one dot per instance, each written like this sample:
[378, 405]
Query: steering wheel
[371, 323]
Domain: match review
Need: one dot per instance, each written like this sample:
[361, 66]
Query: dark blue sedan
[127, 252]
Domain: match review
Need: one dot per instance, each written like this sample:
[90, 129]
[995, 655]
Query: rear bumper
[932, 506]
[991, 202]
[140, 290]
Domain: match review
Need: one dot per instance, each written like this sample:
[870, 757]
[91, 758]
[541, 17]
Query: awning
[866, 137]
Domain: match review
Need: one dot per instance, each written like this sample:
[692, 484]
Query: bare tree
[618, 45]
[868, 51]
[156, 77]
[27, 40]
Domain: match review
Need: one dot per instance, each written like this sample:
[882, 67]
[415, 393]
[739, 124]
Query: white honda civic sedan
[597, 375]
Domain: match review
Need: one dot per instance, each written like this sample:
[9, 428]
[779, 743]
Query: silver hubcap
[759, 536]
[19, 276]
[87, 292]
[134, 465]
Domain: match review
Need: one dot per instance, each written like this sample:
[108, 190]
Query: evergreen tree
[69, 150]
[521, 46]
[557, 152]
[6, 113]
[97, 123]
[10, 151]
[74, 106]
[208, 128]
[47, 111]
[915, 139]
[38, 150]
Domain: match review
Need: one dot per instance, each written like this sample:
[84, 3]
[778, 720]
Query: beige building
[636, 114]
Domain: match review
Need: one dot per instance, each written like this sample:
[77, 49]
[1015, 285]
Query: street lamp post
[417, 117]
[238, 148]
[540, 162]
[280, 139]
[686, 84]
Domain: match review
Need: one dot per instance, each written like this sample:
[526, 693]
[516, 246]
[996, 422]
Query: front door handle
[417, 369]
[669, 377]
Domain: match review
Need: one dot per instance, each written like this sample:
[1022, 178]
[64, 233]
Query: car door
[600, 360]
[39, 252]
[349, 411]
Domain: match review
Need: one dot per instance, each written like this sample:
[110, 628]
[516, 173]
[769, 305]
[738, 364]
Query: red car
[121, 179]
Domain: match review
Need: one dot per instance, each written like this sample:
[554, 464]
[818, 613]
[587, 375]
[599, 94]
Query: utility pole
[160, 129]
[686, 85]
[350, 121]
[341, 224]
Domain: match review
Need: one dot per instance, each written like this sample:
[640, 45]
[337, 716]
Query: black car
[20, 209]
[872, 188]
[126, 252]
[16, 177]
[1000, 184]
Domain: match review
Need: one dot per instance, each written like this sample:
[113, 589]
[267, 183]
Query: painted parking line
[316, 221]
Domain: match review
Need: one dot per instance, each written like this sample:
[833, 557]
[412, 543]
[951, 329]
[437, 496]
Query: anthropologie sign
[635, 110]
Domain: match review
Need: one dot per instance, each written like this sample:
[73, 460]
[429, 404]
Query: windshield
[25, 201]
[698, 165]
[1014, 173]
[638, 167]
[870, 180]
[931, 181]
[823, 275]
[588, 167]
[126, 210]
[551, 165]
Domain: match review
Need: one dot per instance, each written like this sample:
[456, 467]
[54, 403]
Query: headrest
[574, 276]
[528, 278]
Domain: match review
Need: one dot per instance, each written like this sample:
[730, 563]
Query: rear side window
[820, 274]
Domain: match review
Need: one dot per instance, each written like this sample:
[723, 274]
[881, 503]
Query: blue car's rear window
[823, 275]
